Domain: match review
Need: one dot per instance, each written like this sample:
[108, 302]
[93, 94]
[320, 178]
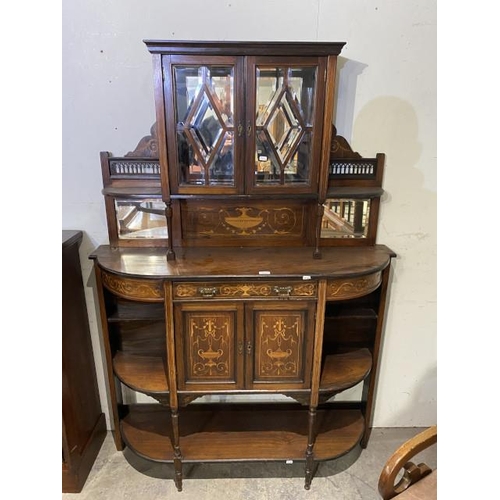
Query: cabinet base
[75, 473]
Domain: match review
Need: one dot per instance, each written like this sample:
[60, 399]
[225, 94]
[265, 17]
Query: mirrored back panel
[140, 218]
[345, 218]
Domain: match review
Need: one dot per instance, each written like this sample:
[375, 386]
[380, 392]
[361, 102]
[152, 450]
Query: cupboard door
[209, 346]
[204, 124]
[284, 131]
[282, 349]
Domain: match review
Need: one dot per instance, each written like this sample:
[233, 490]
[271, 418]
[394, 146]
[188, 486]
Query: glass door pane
[204, 115]
[285, 111]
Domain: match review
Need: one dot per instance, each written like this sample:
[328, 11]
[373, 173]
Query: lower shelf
[217, 433]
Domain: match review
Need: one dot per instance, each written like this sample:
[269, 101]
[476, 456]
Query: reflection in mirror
[205, 124]
[140, 218]
[344, 218]
[284, 117]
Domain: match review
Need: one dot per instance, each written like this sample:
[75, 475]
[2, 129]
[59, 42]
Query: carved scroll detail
[340, 148]
[163, 399]
[341, 289]
[150, 291]
[147, 146]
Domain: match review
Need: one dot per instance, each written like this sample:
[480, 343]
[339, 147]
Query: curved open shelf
[146, 374]
[218, 433]
[147, 431]
[345, 370]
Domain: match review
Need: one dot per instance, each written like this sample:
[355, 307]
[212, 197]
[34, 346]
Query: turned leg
[319, 219]
[311, 465]
[168, 215]
[177, 451]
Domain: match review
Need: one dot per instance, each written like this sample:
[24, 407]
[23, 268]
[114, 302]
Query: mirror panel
[204, 106]
[284, 118]
[140, 218]
[345, 218]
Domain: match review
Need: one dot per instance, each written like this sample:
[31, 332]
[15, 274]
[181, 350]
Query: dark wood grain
[84, 426]
[145, 374]
[224, 262]
[245, 296]
[345, 370]
[243, 47]
[240, 432]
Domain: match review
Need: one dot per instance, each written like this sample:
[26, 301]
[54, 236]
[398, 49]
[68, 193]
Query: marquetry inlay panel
[340, 289]
[244, 290]
[279, 348]
[244, 220]
[142, 290]
[210, 345]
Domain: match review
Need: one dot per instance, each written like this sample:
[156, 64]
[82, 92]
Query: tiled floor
[123, 476]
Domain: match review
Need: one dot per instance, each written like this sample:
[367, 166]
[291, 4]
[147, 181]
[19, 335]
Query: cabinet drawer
[136, 289]
[350, 288]
[245, 290]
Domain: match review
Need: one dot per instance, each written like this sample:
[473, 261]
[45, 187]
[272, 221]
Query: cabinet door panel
[282, 349]
[209, 343]
[203, 143]
[284, 139]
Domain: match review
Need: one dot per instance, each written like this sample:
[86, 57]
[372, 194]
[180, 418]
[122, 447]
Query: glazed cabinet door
[243, 125]
[280, 350]
[284, 123]
[204, 123]
[209, 346]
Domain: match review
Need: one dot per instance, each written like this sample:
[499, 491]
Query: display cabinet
[242, 261]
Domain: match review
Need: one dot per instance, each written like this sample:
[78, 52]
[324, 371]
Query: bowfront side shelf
[242, 263]
[240, 432]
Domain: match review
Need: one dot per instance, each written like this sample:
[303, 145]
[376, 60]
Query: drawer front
[350, 288]
[245, 290]
[135, 289]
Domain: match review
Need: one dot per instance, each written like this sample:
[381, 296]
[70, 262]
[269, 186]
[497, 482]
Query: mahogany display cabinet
[242, 261]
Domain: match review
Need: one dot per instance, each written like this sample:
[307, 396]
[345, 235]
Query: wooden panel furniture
[242, 260]
[84, 426]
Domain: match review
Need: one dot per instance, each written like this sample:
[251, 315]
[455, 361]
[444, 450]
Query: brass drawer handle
[283, 291]
[249, 348]
[207, 291]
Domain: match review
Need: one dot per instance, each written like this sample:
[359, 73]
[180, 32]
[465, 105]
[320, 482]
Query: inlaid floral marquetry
[245, 290]
[341, 289]
[142, 290]
[242, 221]
[210, 347]
[279, 349]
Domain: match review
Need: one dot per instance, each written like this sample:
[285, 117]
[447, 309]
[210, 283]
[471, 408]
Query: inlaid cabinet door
[280, 352]
[209, 346]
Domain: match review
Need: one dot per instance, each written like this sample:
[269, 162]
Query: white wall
[386, 103]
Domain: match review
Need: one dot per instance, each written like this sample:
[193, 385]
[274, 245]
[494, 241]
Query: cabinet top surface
[259, 263]
[244, 47]
[70, 236]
